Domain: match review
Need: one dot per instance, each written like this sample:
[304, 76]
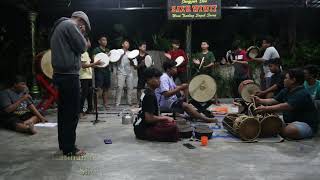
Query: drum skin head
[104, 58]
[148, 61]
[202, 88]
[46, 65]
[115, 55]
[179, 60]
[253, 52]
[271, 125]
[249, 90]
[133, 54]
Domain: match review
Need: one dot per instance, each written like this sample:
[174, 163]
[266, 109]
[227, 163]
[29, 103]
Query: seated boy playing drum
[168, 92]
[17, 111]
[299, 112]
[149, 125]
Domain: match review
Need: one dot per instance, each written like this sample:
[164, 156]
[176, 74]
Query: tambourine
[133, 54]
[148, 61]
[115, 55]
[104, 59]
[253, 52]
[179, 60]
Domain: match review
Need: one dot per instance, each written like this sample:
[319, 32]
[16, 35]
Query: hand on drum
[260, 93]
[167, 55]
[97, 63]
[261, 109]
[196, 61]
[256, 99]
[183, 86]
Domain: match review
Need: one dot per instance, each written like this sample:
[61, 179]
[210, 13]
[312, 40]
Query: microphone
[30, 101]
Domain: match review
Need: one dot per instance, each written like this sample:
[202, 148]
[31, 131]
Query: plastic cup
[204, 140]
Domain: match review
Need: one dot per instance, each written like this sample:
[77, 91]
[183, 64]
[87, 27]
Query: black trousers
[86, 93]
[68, 110]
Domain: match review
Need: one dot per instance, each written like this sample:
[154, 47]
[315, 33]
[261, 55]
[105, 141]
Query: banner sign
[194, 9]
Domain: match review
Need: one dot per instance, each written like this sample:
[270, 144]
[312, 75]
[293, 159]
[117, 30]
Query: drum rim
[50, 76]
[252, 48]
[242, 91]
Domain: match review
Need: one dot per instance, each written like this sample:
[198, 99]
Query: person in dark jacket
[67, 44]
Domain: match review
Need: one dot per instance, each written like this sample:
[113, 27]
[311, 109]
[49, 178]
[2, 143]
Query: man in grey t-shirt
[270, 53]
[17, 111]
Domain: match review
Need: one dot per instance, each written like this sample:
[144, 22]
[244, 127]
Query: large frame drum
[43, 64]
[202, 88]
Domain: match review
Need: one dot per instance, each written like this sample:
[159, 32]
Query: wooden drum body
[245, 127]
[271, 125]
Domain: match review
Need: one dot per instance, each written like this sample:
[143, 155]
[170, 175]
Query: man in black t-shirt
[277, 78]
[141, 67]
[296, 105]
[149, 125]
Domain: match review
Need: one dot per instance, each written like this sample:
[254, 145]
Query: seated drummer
[150, 125]
[276, 84]
[17, 111]
[296, 104]
[168, 92]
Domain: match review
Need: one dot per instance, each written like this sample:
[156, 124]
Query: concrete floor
[37, 157]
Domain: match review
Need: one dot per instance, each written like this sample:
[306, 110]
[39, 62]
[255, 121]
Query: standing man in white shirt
[270, 53]
[124, 74]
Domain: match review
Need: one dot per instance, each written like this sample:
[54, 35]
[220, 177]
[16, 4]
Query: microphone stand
[95, 100]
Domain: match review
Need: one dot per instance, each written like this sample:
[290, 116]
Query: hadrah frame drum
[253, 52]
[202, 88]
[43, 64]
[248, 88]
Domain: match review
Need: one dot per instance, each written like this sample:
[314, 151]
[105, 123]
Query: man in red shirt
[173, 54]
[241, 67]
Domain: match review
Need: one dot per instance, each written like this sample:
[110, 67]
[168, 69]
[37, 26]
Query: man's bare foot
[210, 120]
[31, 129]
[43, 120]
[77, 152]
